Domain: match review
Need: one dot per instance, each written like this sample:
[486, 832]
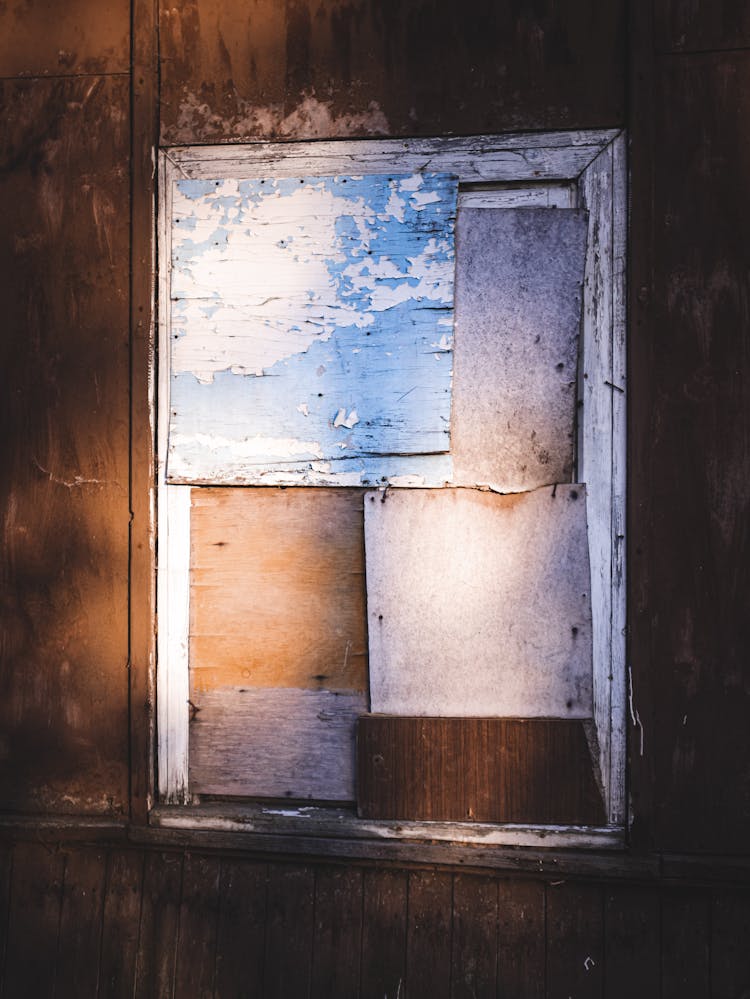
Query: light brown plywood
[277, 591]
[479, 604]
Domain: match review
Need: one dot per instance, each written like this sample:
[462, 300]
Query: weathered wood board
[479, 604]
[274, 743]
[476, 770]
[518, 316]
[277, 595]
[311, 320]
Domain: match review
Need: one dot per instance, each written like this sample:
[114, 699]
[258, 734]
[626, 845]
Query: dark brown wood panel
[575, 941]
[631, 942]
[64, 446]
[384, 934]
[199, 916]
[730, 943]
[289, 932]
[122, 909]
[685, 945]
[428, 935]
[303, 70]
[34, 921]
[240, 944]
[687, 26]
[476, 769]
[6, 867]
[521, 942]
[337, 943]
[44, 38]
[81, 923]
[159, 923]
[690, 484]
[474, 938]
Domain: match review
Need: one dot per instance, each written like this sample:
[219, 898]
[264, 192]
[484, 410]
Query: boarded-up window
[378, 420]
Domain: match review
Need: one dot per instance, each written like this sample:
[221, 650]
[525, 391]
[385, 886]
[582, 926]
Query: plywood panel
[518, 317]
[478, 604]
[233, 71]
[44, 38]
[307, 315]
[476, 769]
[64, 267]
[269, 742]
[277, 589]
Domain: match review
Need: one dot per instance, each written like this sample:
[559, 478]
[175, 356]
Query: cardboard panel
[518, 317]
[478, 604]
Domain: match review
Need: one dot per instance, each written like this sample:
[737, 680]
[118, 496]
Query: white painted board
[518, 317]
[311, 320]
[479, 604]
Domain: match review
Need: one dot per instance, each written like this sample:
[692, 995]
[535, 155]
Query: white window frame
[585, 169]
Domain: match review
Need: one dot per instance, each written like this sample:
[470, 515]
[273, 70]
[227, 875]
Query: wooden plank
[43, 40]
[631, 942]
[307, 315]
[240, 944]
[685, 945]
[81, 923]
[157, 939]
[474, 937]
[384, 933]
[730, 932]
[296, 72]
[337, 942]
[277, 593]
[575, 941]
[478, 604]
[6, 867]
[64, 189]
[199, 915]
[33, 920]
[476, 769]
[289, 932]
[521, 939]
[121, 924]
[519, 276]
[274, 743]
[428, 934]
[690, 27]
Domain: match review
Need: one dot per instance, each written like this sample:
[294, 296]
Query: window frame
[574, 169]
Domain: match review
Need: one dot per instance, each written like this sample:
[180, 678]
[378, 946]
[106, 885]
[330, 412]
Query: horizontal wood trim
[476, 769]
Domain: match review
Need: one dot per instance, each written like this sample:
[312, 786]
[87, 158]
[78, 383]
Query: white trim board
[559, 169]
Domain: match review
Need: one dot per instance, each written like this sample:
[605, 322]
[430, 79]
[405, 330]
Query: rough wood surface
[230, 71]
[685, 945]
[199, 915]
[575, 941]
[519, 277]
[701, 27]
[289, 932]
[384, 933]
[478, 604]
[277, 593]
[274, 742]
[121, 921]
[241, 934]
[64, 190]
[159, 924]
[40, 39]
[428, 935]
[337, 940]
[631, 942]
[81, 923]
[522, 941]
[476, 769]
[474, 939]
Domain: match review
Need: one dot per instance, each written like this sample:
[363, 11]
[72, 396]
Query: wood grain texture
[64, 191]
[519, 275]
[122, 908]
[522, 940]
[479, 604]
[575, 941]
[428, 935]
[272, 743]
[337, 941]
[240, 943]
[691, 472]
[44, 39]
[474, 938]
[683, 26]
[475, 769]
[159, 924]
[730, 932]
[631, 942]
[199, 916]
[384, 933]
[685, 945]
[81, 923]
[289, 932]
[277, 589]
[295, 70]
